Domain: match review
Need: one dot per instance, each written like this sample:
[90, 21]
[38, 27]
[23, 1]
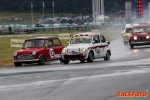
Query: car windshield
[141, 30]
[80, 39]
[128, 30]
[33, 43]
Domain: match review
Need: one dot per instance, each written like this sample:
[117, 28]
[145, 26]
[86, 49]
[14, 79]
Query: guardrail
[37, 29]
[19, 28]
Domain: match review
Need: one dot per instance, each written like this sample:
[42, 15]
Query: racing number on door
[98, 51]
[52, 53]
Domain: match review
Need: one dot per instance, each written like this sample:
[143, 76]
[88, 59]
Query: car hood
[28, 50]
[142, 34]
[77, 46]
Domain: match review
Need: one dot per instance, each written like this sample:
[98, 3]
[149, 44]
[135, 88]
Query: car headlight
[15, 54]
[147, 37]
[63, 51]
[83, 50]
[34, 53]
[135, 38]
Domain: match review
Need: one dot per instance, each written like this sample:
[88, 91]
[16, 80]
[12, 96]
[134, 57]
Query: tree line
[60, 6]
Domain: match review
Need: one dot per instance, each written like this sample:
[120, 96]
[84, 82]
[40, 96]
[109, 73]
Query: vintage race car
[127, 31]
[140, 36]
[38, 50]
[86, 46]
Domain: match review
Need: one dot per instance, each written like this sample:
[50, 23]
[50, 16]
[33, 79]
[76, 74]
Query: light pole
[32, 12]
[43, 8]
[53, 8]
[149, 10]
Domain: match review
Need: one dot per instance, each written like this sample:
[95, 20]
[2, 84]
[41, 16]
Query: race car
[140, 36]
[38, 50]
[126, 32]
[86, 46]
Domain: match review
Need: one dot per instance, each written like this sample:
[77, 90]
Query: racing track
[128, 70]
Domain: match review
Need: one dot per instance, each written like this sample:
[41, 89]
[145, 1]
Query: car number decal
[98, 51]
[52, 53]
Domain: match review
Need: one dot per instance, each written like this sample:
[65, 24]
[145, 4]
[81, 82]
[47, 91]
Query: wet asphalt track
[127, 71]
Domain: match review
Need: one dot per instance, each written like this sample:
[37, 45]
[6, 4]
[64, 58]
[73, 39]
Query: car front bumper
[27, 61]
[74, 56]
[140, 43]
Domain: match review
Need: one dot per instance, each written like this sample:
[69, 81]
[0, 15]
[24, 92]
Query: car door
[103, 45]
[57, 47]
[97, 45]
[48, 45]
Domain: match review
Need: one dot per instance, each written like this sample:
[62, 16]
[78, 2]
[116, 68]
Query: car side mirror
[108, 42]
[93, 42]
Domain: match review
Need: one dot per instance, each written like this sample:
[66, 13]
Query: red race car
[140, 36]
[38, 50]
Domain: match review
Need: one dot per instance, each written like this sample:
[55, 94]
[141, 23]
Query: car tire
[65, 61]
[82, 61]
[17, 64]
[107, 56]
[41, 60]
[131, 46]
[90, 57]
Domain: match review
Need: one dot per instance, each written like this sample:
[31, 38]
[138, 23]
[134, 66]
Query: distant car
[127, 31]
[38, 50]
[86, 46]
[140, 36]
[39, 25]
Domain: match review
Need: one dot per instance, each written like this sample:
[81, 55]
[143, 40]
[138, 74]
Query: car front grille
[25, 57]
[141, 38]
[73, 50]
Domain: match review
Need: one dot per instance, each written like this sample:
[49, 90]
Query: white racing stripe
[20, 86]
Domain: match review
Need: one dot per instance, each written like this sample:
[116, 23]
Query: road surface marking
[38, 83]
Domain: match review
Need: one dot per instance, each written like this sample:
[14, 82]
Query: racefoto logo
[131, 94]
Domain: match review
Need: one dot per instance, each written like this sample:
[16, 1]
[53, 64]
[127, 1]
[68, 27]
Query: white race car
[86, 46]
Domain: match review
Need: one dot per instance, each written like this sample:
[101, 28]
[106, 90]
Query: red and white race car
[86, 46]
[38, 50]
[140, 36]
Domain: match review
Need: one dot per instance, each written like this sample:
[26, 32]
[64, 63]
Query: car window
[80, 39]
[102, 39]
[141, 30]
[33, 43]
[96, 39]
[49, 43]
[128, 30]
[56, 42]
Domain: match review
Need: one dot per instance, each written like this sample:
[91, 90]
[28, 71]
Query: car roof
[131, 25]
[143, 23]
[86, 34]
[147, 26]
[44, 37]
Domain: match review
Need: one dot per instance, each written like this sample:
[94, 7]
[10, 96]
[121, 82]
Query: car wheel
[82, 61]
[65, 61]
[61, 60]
[131, 46]
[107, 56]
[90, 57]
[17, 64]
[41, 60]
